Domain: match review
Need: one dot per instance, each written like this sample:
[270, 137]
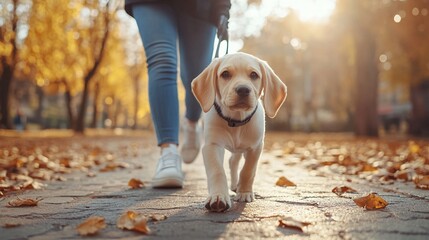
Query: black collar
[234, 122]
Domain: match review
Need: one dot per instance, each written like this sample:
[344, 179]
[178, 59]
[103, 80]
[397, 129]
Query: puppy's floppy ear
[275, 91]
[204, 85]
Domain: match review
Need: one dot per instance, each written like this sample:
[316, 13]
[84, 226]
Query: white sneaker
[169, 169]
[191, 144]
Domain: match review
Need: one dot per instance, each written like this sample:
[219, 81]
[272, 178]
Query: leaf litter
[26, 165]
[379, 161]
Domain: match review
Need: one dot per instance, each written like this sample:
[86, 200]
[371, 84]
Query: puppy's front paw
[218, 203]
[244, 197]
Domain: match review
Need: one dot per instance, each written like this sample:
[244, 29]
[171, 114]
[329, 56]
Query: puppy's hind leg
[234, 160]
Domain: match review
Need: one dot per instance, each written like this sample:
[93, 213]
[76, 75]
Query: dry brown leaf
[28, 202]
[368, 168]
[157, 217]
[135, 183]
[32, 185]
[284, 182]
[11, 225]
[91, 226]
[422, 182]
[371, 202]
[344, 189]
[293, 224]
[133, 221]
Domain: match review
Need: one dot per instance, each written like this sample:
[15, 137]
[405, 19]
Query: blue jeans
[162, 27]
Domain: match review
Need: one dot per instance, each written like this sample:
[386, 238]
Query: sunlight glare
[310, 10]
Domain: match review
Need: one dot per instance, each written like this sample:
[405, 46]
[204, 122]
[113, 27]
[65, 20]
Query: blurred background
[350, 66]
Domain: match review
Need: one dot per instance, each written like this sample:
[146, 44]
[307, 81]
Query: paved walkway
[66, 204]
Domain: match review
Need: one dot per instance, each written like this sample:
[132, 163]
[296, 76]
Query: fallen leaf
[413, 147]
[11, 225]
[368, 168]
[157, 217]
[135, 183]
[422, 182]
[91, 226]
[284, 182]
[292, 223]
[344, 189]
[133, 221]
[28, 202]
[91, 174]
[371, 202]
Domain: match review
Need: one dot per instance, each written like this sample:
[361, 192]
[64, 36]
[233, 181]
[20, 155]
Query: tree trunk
[136, 102]
[366, 122]
[419, 98]
[80, 120]
[5, 85]
[118, 108]
[7, 73]
[38, 115]
[69, 98]
[366, 82]
[95, 105]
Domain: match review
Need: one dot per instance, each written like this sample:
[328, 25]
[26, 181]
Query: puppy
[230, 91]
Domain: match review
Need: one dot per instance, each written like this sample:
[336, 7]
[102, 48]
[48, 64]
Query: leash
[223, 36]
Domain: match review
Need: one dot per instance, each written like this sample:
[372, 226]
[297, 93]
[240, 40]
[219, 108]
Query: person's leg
[157, 24]
[196, 39]
[158, 30]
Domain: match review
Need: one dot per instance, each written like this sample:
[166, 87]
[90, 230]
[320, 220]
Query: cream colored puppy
[229, 91]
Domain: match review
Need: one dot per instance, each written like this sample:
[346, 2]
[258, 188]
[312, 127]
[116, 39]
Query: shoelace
[169, 160]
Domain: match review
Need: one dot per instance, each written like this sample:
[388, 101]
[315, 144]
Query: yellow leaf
[91, 226]
[133, 221]
[284, 182]
[371, 202]
[413, 147]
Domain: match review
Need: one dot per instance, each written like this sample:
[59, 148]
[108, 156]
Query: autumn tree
[53, 62]
[13, 16]
[406, 33]
[95, 26]
[112, 81]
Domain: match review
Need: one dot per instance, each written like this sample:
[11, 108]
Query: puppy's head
[237, 81]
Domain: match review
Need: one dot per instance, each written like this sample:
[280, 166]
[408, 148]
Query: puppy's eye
[254, 76]
[225, 75]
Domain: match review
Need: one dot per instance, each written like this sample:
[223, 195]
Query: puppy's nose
[242, 91]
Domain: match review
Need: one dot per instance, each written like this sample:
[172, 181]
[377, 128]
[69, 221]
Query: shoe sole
[167, 183]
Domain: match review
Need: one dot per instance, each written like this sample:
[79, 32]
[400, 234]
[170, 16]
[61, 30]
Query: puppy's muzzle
[242, 91]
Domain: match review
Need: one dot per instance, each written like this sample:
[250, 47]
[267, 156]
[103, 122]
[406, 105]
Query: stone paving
[66, 204]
